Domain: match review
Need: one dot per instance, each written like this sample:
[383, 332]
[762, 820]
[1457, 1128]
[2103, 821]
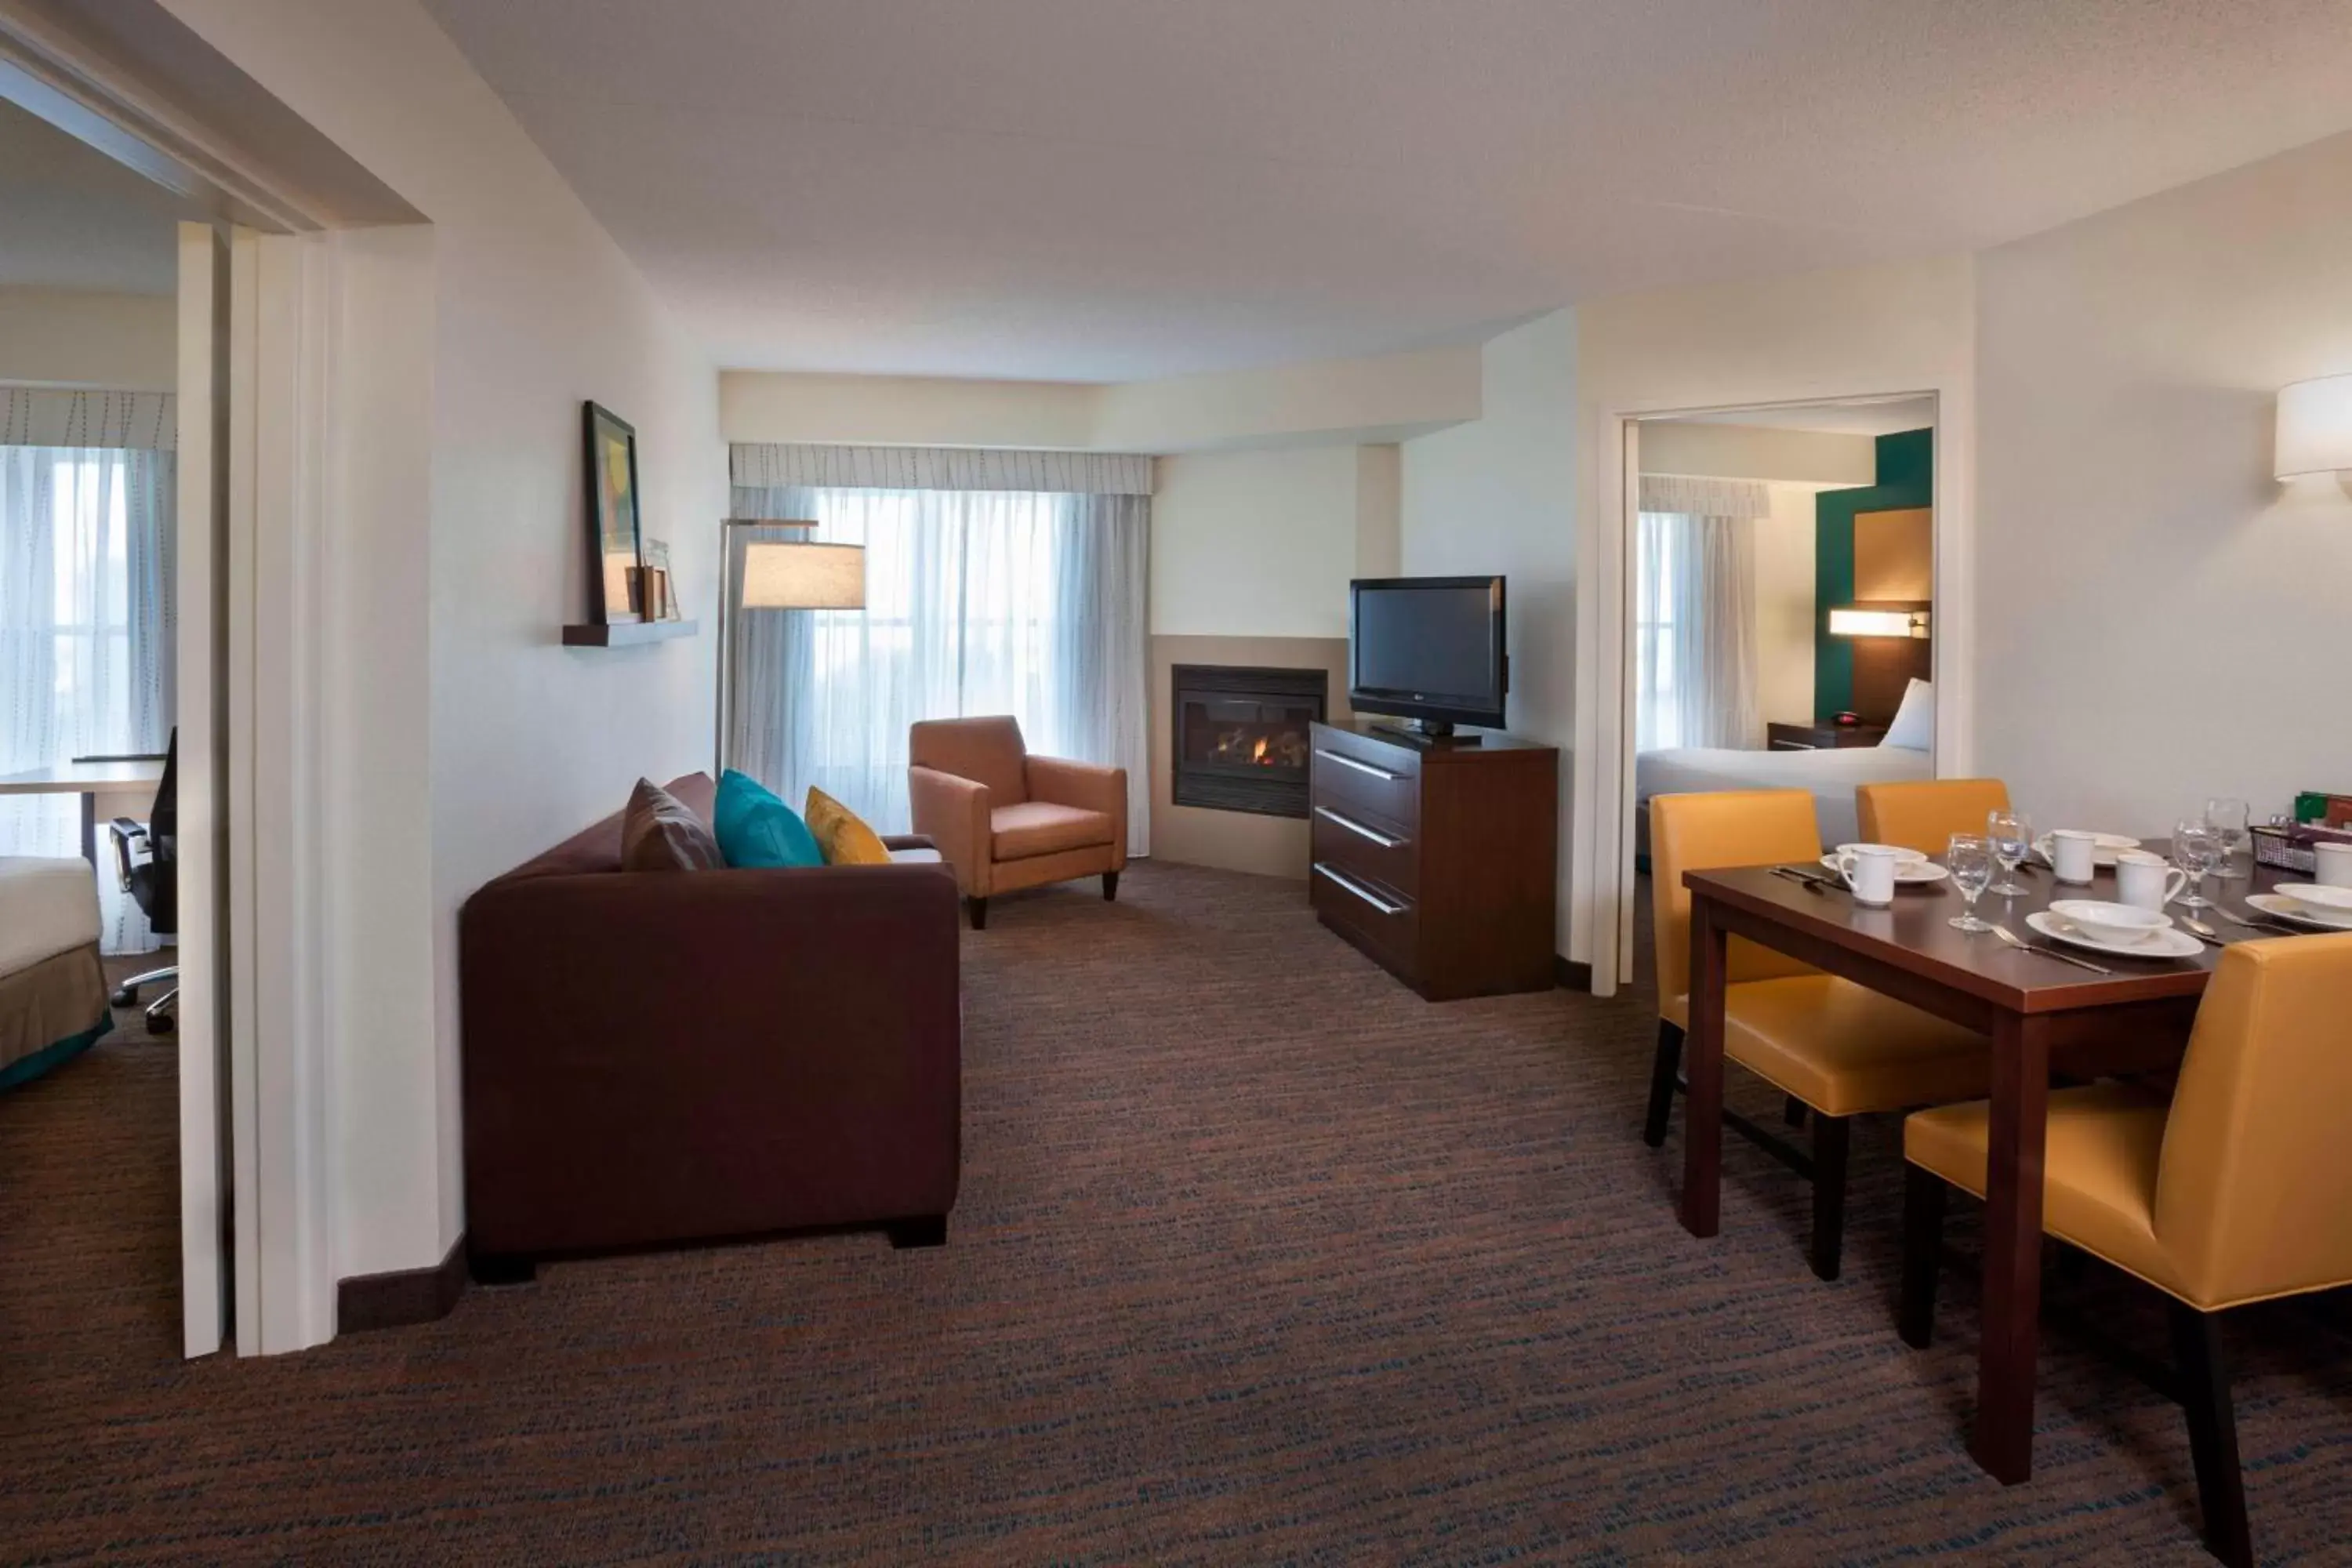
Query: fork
[2022, 946]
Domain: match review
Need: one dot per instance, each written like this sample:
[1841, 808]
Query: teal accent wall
[1906, 477]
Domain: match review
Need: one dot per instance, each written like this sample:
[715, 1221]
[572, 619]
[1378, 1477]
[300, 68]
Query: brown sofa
[1007, 820]
[656, 1058]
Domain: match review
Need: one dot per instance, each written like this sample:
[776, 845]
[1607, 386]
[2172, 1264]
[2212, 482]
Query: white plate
[2163, 944]
[1916, 873]
[1910, 857]
[2294, 913]
[2318, 895]
[2103, 853]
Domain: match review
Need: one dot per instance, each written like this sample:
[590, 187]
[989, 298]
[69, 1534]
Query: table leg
[1703, 1065]
[2002, 1441]
[90, 828]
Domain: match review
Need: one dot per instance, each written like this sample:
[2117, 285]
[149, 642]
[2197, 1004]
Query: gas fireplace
[1241, 736]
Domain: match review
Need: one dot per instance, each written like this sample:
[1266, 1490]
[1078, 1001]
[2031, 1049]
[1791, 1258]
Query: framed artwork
[615, 574]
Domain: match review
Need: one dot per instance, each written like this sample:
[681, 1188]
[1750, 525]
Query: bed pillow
[1914, 728]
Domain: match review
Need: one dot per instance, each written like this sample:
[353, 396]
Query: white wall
[1499, 495]
[459, 439]
[65, 337]
[1377, 399]
[1820, 458]
[1254, 544]
[2170, 622]
[1785, 605]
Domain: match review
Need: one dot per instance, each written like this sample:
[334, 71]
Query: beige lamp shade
[2315, 427]
[804, 576]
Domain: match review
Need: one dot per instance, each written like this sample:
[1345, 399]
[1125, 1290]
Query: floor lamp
[778, 574]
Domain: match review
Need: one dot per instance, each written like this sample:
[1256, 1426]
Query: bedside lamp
[796, 574]
[2314, 428]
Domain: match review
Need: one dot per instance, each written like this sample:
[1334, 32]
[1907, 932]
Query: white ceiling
[71, 217]
[1883, 417]
[1120, 189]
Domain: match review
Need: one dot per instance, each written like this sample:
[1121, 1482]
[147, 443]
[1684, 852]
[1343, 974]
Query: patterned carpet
[1259, 1259]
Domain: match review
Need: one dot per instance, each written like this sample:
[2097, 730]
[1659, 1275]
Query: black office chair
[149, 859]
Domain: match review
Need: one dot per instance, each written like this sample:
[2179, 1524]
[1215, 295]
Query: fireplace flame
[1257, 752]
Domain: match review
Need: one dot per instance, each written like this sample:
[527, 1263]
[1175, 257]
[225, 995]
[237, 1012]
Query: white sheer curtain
[1017, 602]
[85, 635]
[1694, 614]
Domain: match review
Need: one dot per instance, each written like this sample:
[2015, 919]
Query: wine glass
[1969, 857]
[2229, 817]
[2197, 848]
[2011, 837]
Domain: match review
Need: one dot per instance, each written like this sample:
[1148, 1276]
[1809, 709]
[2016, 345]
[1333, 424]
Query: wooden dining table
[2031, 1008]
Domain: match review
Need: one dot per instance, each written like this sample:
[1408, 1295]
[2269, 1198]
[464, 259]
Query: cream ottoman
[53, 1001]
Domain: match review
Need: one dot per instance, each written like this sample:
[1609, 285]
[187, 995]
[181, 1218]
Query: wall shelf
[626, 634]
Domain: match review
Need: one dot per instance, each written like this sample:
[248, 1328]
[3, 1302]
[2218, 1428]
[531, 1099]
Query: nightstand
[1822, 736]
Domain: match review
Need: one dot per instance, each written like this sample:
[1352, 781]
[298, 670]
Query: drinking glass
[1969, 857]
[2196, 850]
[2011, 837]
[2227, 815]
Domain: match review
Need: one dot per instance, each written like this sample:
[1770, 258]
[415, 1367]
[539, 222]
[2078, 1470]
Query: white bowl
[1908, 857]
[2118, 924]
[2319, 895]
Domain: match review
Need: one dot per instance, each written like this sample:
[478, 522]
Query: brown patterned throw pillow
[660, 832]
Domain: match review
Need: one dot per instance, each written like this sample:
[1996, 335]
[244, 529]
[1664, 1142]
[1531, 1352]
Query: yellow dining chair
[2235, 1191]
[1840, 1049]
[1925, 814]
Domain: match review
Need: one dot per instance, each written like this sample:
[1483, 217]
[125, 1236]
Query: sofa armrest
[953, 812]
[650, 1056]
[1087, 787]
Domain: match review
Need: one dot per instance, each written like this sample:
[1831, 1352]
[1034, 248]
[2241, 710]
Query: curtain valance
[767, 465]
[46, 417]
[1706, 498]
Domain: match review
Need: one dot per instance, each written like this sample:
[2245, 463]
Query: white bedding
[1830, 774]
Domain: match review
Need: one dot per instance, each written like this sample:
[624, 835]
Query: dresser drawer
[1380, 922]
[1373, 852]
[1370, 784]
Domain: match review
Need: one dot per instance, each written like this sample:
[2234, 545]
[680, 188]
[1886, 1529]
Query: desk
[2031, 1008]
[122, 789]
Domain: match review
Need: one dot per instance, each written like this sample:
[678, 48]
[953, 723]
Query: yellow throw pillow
[842, 834]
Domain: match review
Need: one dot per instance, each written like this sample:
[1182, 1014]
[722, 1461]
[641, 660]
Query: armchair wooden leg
[1923, 1253]
[2212, 1432]
[978, 908]
[1663, 1070]
[1792, 1111]
[1110, 886]
[1829, 1192]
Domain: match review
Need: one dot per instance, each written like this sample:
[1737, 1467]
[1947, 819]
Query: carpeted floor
[1259, 1259]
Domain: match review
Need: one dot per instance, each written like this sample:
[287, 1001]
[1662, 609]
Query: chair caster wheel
[163, 1025]
[126, 997]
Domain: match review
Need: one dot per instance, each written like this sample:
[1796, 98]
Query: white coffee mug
[2335, 868]
[1869, 870]
[2071, 854]
[2148, 881]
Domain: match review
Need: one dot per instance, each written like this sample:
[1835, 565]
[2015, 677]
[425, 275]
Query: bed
[1830, 775]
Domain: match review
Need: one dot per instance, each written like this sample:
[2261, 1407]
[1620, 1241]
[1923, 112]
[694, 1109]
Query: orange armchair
[1006, 820]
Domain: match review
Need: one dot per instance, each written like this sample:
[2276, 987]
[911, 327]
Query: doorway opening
[1780, 616]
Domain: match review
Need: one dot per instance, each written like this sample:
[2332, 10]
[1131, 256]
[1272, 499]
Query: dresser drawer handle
[1359, 767]
[1358, 828]
[1360, 891]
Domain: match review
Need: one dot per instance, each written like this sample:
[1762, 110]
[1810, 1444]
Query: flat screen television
[1428, 650]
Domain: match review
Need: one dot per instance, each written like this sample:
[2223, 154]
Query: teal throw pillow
[755, 828]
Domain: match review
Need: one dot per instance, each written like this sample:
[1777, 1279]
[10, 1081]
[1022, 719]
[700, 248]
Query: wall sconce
[1855, 621]
[2314, 428]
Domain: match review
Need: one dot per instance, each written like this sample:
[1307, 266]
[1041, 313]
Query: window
[1658, 589]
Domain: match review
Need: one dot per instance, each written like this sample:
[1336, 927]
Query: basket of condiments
[2320, 818]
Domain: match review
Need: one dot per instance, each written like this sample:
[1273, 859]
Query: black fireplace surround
[1241, 736]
